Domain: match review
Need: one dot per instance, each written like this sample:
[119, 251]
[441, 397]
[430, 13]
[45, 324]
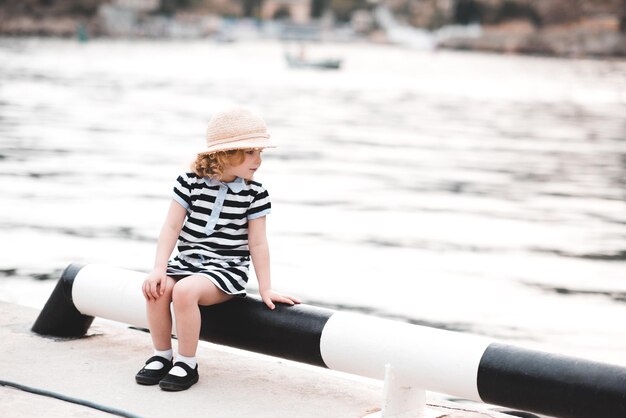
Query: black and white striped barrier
[405, 355]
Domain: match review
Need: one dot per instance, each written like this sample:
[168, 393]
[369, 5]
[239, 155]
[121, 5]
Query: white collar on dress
[235, 186]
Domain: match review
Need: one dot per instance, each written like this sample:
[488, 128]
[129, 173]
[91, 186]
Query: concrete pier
[100, 368]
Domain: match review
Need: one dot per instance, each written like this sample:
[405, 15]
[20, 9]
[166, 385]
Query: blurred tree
[318, 7]
[282, 13]
[467, 11]
[343, 9]
[252, 8]
[494, 12]
[169, 7]
[511, 10]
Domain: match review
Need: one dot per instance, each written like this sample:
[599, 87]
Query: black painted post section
[59, 317]
[551, 384]
[290, 332]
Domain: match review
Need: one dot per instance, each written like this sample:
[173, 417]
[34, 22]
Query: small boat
[300, 60]
[324, 64]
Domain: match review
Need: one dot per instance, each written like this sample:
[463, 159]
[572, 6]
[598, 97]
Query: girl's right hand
[154, 285]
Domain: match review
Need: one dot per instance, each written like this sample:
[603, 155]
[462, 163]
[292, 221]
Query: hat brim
[261, 141]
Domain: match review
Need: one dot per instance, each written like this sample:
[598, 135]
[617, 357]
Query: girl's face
[251, 163]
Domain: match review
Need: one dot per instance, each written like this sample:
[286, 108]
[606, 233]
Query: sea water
[467, 191]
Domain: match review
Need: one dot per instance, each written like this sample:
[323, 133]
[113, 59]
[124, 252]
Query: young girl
[217, 215]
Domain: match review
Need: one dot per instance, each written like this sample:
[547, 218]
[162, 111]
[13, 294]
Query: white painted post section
[422, 357]
[401, 400]
[112, 293]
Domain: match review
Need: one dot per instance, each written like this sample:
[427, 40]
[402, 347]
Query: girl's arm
[154, 285]
[260, 253]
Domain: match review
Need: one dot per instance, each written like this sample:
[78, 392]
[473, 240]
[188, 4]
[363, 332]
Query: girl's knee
[184, 293]
[166, 297]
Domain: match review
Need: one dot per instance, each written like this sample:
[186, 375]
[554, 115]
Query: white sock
[179, 371]
[157, 365]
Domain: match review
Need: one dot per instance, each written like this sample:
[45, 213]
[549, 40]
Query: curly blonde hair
[213, 165]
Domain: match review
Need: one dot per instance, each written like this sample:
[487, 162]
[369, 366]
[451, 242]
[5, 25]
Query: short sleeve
[182, 191]
[260, 205]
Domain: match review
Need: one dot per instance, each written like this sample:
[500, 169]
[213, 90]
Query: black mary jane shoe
[174, 383]
[152, 377]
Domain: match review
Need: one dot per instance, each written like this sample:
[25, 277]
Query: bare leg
[187, 295]
[160, 318]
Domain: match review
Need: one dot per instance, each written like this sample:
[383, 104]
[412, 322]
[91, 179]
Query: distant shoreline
[490, 43]
[589, 30]
[554, 28]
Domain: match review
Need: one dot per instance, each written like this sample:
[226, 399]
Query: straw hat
[236, 128]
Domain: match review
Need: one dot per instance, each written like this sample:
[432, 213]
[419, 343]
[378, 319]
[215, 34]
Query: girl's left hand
[269, 297]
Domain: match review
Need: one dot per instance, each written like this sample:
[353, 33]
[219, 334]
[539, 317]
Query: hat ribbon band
[238, 138]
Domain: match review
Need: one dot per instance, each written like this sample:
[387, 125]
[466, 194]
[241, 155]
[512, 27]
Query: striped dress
[213, 241]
